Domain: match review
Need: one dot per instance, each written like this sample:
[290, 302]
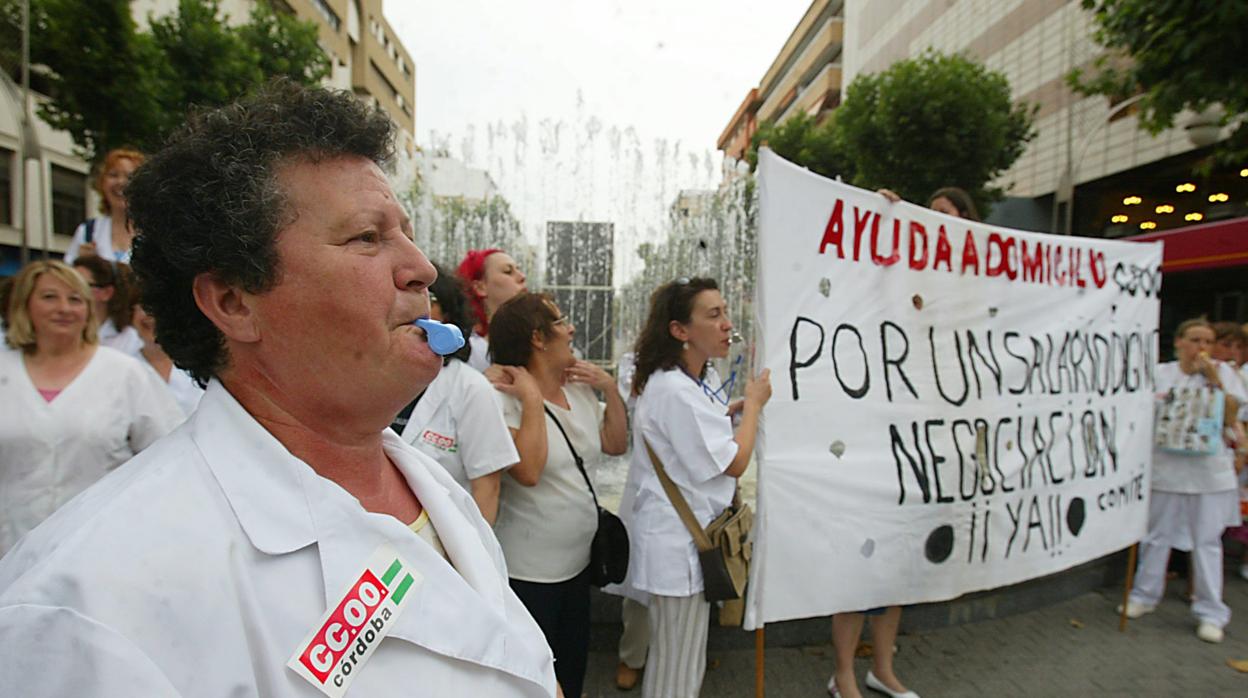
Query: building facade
[804, 78]
[365, 56]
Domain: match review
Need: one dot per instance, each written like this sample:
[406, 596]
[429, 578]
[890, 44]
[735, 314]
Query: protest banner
[955, 406]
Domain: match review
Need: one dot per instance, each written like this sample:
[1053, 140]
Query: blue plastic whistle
[443, 338]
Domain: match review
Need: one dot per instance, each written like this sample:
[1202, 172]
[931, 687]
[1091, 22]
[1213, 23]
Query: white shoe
[1209, 632]
[1243, 570]
[1136, 609]
[876, 685]
[832, 689]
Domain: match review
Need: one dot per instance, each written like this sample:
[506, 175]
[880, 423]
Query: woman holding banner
[1194, 494]
[692, 436]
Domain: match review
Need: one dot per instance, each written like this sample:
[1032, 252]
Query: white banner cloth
[955, 406]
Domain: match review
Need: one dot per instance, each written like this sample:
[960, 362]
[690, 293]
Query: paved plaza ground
[1068, 649]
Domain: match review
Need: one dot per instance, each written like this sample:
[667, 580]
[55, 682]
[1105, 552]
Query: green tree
[804, 140]
[1179, 55]
[925, 123]
[108, 84]
[933, 121]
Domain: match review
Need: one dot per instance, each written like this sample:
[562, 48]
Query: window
[6, 186]
[331, 17]
[69, 200]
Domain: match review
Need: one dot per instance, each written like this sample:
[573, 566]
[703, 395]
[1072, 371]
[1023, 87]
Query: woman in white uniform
[1194, 498]
[181, 385]
[691, 432]
[110, 235]
[110, 293]
[269, 545]
[458, 419]
[547, 517]
[70, 410]
[491, 277]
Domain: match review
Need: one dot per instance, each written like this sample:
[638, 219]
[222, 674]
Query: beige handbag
[724, 547]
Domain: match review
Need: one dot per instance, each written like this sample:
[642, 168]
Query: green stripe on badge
[402, 590]
[392, 572]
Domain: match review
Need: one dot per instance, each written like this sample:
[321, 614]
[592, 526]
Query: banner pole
[759, 653]
[1126, 587]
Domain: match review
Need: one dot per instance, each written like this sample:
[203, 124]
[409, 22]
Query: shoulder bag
[608, 554]
[724, 547]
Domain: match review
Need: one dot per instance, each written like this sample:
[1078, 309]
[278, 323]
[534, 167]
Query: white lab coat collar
[283, 506]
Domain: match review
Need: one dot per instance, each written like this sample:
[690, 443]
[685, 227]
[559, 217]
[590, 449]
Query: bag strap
[700, 538]
[89, 232]
[580, 462]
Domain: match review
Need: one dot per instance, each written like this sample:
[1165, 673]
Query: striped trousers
[677, 659]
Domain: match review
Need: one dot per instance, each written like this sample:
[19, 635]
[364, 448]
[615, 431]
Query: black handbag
[608, 553]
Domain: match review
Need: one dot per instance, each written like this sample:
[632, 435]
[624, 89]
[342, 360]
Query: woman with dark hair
[71, 410]
[181, 385]
[110, 235]
[952, 201]
[547, 517]
[458, 420]
[281, 270]
[691, 433]
[110, 293]
[491, 277]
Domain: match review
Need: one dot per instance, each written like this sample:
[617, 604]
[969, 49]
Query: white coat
[459, 423]
[199, 568]
[480, 356]
[101, 236]
[51, 451]
[692, 435]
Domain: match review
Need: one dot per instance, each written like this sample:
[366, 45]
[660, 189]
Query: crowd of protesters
[270, 312]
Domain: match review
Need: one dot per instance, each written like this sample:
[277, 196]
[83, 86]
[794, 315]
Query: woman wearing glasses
[547, 515]
[690, 430]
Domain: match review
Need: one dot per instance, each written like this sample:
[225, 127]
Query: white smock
[51, 451]
[1193, 494]
[185, 391]
[101, 237]
[692, 435]
[459, 423]
[199, 568]
[127, 341]
[546, 529]
[479, 358]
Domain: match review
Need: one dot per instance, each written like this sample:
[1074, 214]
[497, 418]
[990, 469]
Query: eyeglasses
[561, 320]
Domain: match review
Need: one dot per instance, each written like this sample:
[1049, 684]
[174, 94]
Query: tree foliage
[109, 85]
[924, 123]
[1179, 55]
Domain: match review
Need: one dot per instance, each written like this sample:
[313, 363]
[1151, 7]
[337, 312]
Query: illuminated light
[1120, 218]
[1131, 201]
[1243, 172]
[1147, 225]
[1165, 208]
[1215, 198]
[1193, 217]
[1186, 186]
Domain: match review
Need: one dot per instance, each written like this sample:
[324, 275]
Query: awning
[1204, 246]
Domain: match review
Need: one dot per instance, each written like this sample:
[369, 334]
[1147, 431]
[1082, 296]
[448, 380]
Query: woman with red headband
[491, 278]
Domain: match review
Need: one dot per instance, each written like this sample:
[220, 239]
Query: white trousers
[1185, 520]
[677, 659]
[635, 641]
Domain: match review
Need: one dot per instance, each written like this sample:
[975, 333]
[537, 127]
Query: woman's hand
[888, 194]
[1209, 367]
[87, 249]
[590, 374]
[758, 389]
[515, 381]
